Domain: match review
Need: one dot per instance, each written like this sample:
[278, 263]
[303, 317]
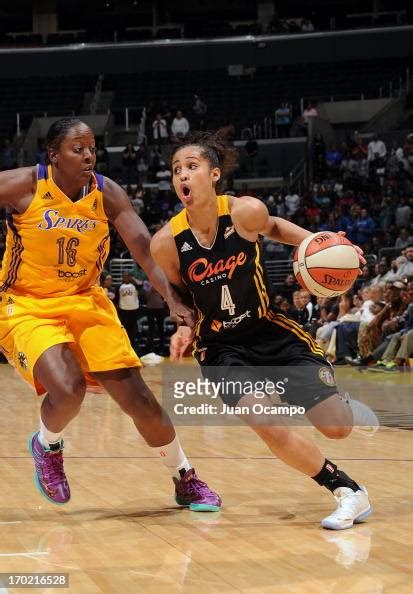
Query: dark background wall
[196, 55]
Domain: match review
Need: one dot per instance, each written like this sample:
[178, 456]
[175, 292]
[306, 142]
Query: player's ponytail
[216, 149]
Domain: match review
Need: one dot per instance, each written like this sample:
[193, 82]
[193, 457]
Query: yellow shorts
[88, 321]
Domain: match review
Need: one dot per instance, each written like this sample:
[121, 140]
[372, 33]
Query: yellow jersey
[57, 247]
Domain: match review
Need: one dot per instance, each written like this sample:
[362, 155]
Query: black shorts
[284, 355]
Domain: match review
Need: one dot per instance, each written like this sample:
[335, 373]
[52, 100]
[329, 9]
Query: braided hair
[58, 132]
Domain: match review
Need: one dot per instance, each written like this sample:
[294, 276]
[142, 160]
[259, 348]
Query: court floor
[122, 532]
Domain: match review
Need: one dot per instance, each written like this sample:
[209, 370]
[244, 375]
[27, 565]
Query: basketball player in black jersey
[211, 251]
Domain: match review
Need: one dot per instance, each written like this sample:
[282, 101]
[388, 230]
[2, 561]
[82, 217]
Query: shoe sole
[199, 507]
[202, 507]
[36, 478]
[358, 520]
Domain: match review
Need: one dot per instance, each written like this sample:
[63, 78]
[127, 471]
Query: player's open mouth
[186, 192]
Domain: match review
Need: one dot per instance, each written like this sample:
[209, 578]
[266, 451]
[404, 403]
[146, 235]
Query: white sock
[47, 437]
[173, 457]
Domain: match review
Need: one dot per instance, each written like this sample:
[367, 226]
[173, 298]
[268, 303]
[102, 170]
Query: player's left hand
[358, 249]
[181, 313]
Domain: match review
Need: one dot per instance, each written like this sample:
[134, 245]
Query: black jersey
[226, 280]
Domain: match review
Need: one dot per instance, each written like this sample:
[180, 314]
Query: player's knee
[336, 432]
[72, 390]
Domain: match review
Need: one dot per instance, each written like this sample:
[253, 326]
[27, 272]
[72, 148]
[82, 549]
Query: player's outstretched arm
[251, 216]
[284, 231]
[137, 238]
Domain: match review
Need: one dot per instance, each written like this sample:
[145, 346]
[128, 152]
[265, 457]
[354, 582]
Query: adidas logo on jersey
[47, 196]
[229, 231]
[186, 247]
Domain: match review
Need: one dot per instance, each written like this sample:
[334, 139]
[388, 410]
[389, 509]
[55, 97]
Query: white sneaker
[353, 507]
[364, 419]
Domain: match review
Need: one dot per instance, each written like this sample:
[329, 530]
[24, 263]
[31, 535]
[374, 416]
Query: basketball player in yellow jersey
[56, 323]
[211, 250]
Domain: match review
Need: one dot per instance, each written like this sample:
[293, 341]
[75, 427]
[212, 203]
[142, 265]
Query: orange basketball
[326, 264]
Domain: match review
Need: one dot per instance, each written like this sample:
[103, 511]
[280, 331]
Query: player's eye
[177, 170]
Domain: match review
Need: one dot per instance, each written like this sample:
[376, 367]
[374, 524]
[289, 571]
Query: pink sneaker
[191, 492]
[49, 477]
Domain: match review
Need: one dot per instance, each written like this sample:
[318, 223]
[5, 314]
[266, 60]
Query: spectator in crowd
[363, 229]
[399, 346]
[289, 287]
[129, 169]
[128, 305]
[286, 307]
[155, 157]
[376, 149]
[292, 203]
[200, 109]
[180, 125]
[406, 269]
[359, 150]
[283, 118]
[107, 284]
[160, 129]
[403, 213]
[142, 162]
[382, 275]
[163, 177]
[403, 239]
[309, 112]
[333, 159]
[136, 199]
[372, 335]
[345, 311]
[348, 332]
[309, 311]
[155, 310]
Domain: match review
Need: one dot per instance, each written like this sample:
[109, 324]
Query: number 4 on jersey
[226, 300]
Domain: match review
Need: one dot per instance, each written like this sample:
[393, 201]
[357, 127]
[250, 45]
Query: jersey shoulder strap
[179, 223]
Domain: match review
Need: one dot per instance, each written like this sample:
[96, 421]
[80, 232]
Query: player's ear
[216, 174]
[52, 156]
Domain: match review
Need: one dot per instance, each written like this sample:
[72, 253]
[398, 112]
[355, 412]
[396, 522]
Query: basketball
[326, 264]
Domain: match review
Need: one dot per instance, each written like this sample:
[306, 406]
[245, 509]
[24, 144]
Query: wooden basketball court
[122, 532]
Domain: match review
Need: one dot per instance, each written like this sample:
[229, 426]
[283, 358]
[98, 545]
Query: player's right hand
[180, 341]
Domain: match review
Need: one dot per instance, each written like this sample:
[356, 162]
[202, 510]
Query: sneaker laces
[52, 469]
[347, 501]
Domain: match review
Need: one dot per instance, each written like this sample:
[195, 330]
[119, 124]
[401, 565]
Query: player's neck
[203, 218]
[71, 190]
